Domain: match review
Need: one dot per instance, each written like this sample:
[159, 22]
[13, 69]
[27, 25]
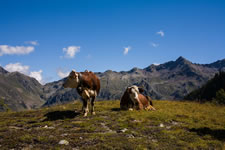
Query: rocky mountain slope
[171, 80]
[210, 90]
[19, 92]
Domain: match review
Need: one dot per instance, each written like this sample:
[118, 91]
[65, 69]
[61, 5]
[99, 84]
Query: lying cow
[87, 85]
[132, 98]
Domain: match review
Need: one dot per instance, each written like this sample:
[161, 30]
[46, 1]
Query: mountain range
[171, 80]
[19, 92]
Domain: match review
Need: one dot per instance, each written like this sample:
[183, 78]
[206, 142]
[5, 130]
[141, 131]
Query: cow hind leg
[93, 105]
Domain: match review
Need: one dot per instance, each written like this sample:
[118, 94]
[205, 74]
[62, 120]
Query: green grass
[174, 125]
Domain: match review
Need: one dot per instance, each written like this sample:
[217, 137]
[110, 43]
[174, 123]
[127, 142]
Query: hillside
[209, 90]
[19, 92]
[171, 80]
[174, 125]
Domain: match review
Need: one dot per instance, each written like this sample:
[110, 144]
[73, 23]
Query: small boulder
[63, 142]
[161, 125]
[124, 130]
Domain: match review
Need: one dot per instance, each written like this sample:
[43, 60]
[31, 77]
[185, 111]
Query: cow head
[133, 92]
[133, 89]
[72, 80]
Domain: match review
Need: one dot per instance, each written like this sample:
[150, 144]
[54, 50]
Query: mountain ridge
[3, 71]
[170, 80]
[19, 92]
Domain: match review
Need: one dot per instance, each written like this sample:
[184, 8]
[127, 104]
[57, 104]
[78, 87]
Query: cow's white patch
[134, 94]
[87, 93]
[77, 78]
[92, 92]
[135, 88]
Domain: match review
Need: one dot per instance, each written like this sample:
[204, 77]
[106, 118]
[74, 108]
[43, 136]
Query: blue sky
[47, 38]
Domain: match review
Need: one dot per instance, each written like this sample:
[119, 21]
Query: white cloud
[126, 50]
[37, 75]
[18, 50]
[161, 33]
[17, 67]
[71, 51]
[62, 74]
[25, 70]
[154, 44]
[32, 42]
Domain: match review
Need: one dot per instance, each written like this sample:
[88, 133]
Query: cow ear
[73, 74]
[141, 89]
[129, 89]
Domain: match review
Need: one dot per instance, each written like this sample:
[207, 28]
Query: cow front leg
[93, 106]
[85, 97]
[150, 107]
[135, 100]
[85, 107]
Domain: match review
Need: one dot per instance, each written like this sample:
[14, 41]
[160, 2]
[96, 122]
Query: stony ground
[174, 125]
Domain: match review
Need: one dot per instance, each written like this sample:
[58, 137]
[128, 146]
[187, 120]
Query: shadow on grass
[218, 134]
[57, 115]
[116, 109]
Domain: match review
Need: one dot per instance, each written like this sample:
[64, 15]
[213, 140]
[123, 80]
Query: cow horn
[73, 70]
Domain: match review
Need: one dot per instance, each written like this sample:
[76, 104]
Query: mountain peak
[135, 70]
[182, 60]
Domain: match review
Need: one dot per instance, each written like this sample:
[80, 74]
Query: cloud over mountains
[13, 67]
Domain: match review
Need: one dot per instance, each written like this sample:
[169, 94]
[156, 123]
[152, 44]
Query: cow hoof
[93, 113]
[85, 114]
[131, 109]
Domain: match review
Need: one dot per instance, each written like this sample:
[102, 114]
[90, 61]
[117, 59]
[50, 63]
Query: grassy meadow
[174, 125]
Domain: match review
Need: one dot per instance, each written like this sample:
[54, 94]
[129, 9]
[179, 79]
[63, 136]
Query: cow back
[90, 80]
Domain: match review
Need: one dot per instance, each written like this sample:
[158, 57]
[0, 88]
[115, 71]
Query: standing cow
[132, 98]
[87, 85]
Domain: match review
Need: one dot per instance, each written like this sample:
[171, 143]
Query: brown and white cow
[132, 98]
[87, 85]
